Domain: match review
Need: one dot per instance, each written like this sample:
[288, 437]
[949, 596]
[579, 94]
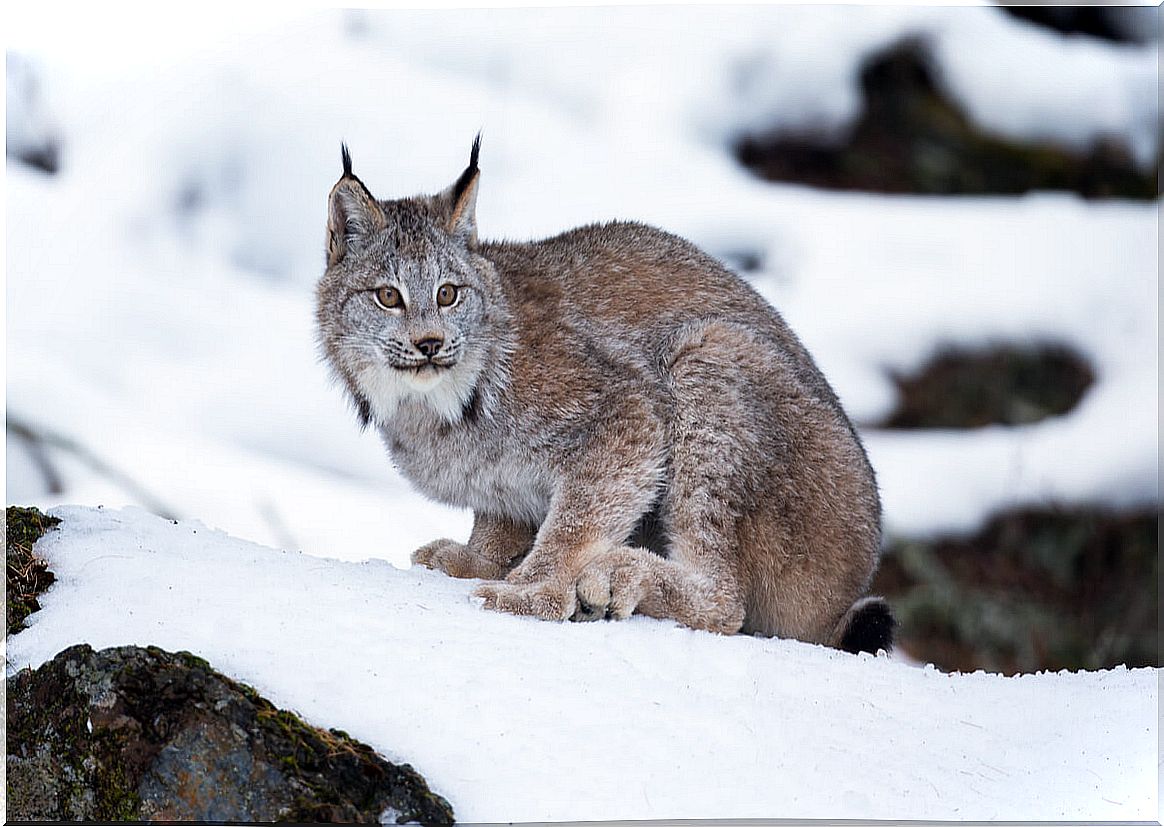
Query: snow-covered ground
[514, 719]
[159, 335]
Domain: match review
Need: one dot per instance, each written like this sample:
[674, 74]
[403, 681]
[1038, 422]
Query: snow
[514, 719]
[1072, 105]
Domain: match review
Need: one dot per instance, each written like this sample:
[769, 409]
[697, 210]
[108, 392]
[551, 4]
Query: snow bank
[515, 719]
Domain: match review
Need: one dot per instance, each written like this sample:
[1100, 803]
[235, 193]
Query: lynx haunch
[634, 428]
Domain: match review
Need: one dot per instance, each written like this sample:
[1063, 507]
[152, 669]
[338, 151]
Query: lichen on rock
[144, 734]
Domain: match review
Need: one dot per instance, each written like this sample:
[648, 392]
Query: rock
[913, 137]
[1000, 384]
[144, 734]
[1036, 588]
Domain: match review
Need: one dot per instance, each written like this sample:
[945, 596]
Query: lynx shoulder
[634, 427]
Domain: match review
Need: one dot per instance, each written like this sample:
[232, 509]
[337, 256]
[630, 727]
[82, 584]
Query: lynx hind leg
[718, 462]
[768, 492]
[713, 459]
[611, 586]
[621, 581]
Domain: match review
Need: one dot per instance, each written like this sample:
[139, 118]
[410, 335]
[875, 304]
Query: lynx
[634, 428]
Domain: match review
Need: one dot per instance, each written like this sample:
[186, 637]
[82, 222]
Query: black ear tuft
[352, 211]
[470, 171]
[475, 151]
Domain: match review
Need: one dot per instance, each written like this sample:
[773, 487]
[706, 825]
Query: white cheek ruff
[384, 388]
[446, 391]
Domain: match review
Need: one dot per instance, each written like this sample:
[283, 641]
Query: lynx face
[403, 304]
[407, 320]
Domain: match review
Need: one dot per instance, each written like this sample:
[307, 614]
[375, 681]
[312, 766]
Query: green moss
[310, 752]
[25, 575]
[251, 695]
[191, 660]
[116, 793]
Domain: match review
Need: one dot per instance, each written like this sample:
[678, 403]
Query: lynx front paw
[456, 560]
[610, 587]
[549, 601]
[533, 569]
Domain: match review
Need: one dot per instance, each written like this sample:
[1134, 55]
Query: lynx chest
[470, 466]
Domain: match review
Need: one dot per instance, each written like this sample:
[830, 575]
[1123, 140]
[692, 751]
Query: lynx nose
[429, 345]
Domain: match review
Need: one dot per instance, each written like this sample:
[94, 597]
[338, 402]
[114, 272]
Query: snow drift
[516, 719]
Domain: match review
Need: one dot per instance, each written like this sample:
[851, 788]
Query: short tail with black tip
[868, 626]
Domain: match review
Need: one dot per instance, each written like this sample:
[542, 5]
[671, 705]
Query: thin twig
[36, 452]
[45, 437]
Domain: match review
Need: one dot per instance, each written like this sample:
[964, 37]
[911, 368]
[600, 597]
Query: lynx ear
[351, 212]
[461, 199]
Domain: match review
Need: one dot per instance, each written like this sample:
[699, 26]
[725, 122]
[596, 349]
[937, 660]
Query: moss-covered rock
[25, 574]
[1038, 588]
[143, 734]
[1003, 384]
[913, 137]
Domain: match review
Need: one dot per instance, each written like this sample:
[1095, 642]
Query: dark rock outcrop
[1037, 588]
[143, 734]
[1002, 384]
[913, 137]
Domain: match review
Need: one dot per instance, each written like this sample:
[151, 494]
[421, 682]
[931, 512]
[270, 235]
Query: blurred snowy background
[955, 208]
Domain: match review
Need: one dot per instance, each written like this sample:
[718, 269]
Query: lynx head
[406, 306]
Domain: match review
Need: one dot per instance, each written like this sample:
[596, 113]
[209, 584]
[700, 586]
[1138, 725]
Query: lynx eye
[446, 295]
[389, 298]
